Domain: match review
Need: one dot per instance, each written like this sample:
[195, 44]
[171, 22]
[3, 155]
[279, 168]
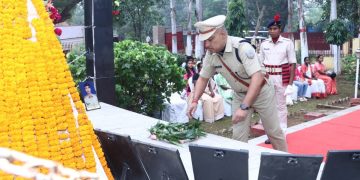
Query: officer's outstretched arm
[200, 87]
[199, 90]
[254, 88]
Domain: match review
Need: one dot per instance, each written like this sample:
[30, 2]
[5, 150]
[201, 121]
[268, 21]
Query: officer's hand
[239, 115]
[191, 110]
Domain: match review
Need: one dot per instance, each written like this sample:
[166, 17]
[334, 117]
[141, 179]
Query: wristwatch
[244, 107]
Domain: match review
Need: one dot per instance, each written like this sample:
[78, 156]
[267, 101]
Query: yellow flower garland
[36, 90]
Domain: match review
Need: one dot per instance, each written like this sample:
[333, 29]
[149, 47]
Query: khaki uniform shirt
[281, 52]
[250, 64]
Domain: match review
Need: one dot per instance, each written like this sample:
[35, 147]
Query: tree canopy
[272, 7]
[66, 8]
[235, 23]
[139, 16]
[337, 32]
[347, 10]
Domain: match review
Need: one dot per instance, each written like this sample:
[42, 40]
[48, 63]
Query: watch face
[244, 107]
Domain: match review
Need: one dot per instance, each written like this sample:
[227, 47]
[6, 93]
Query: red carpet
[341, 133]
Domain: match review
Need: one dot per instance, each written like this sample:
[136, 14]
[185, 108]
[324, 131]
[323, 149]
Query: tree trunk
[140, 24]
[173, 27]
[261, 14]
[333, 16]
[303, 37]
[188, 37]
[199, 45]
[290, 17]
[358, 4]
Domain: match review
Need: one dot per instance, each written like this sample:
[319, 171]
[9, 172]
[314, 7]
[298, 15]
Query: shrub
[181, 58]
[77, 63]
[349, 67]
[145, 76]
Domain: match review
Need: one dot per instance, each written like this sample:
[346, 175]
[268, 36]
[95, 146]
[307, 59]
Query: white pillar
[173, 27]
[199, 47]
[303, 37]
[357, 52]
[188, 37]
[334, 48]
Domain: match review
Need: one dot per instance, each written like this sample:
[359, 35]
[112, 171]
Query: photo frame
[121, 156]
[88, 94]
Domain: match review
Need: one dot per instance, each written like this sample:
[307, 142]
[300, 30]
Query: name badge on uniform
[219, 66]
[266, 48]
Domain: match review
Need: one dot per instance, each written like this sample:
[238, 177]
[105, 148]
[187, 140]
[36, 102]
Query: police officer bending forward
[237, 61]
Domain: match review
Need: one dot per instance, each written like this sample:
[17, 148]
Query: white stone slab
[119, 121]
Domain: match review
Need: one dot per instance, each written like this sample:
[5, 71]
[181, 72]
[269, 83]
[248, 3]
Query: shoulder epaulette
[237, 50]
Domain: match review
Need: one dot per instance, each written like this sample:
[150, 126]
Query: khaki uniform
[281, 52]
[264, 104]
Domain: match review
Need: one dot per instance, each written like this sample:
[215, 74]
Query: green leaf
[176, 132]
[337, 32]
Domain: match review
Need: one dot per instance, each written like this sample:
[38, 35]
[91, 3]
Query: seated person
[212, 103]
[317, 86]
[224, 88]
[330, 82]
[301, 84]
[190, 71]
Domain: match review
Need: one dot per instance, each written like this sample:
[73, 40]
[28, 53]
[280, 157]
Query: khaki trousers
[276, 80]
[265, 105]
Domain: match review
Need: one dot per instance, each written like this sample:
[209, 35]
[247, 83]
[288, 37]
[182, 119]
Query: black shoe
[267, 141]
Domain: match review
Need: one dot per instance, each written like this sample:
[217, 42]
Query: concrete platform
[120, 121]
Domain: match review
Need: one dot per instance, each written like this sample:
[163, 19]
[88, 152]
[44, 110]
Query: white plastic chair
[175, 110]
[227, 108]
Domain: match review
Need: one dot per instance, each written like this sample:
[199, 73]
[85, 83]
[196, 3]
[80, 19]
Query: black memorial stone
[289, 166]
[121, 156]
[218, 163]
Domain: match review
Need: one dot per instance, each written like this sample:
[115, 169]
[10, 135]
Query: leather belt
[273, 69]
[240, 80]
[274, 73]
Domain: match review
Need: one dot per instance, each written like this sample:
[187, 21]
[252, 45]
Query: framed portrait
[88, 94]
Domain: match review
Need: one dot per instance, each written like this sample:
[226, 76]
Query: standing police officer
[238, 63]
[278, 55]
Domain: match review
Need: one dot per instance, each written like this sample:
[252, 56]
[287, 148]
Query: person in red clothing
[317, 86]
[320, 73]
[190, 71]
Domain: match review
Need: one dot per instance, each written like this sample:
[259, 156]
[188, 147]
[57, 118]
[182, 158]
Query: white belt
[273, 70]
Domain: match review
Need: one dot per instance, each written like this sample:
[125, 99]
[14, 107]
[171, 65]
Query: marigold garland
[37, 90]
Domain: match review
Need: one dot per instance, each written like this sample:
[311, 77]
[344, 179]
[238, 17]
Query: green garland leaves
[175, 133]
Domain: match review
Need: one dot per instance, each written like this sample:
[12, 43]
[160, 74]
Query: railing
[325, 53]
